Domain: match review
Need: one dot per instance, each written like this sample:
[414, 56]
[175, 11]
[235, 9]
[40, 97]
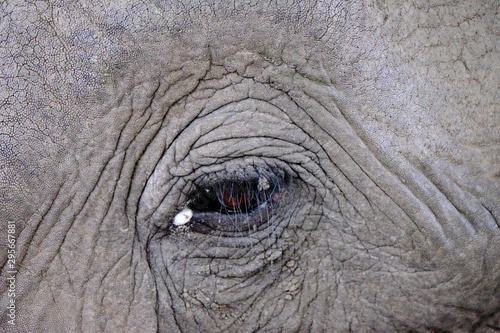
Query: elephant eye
[233, 205]
[234, 197]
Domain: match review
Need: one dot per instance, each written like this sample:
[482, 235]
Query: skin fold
[340, 159]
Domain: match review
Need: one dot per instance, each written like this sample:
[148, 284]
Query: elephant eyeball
[243, 197]
[234, 197]
[234, 205]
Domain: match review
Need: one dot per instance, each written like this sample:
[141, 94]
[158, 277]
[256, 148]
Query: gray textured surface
[385, 115]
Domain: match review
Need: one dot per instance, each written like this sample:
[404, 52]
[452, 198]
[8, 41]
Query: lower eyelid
[207, 222]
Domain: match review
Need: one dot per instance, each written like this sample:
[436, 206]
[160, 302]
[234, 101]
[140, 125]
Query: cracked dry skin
[374, 127]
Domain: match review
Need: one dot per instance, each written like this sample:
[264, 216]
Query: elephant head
[252, 166]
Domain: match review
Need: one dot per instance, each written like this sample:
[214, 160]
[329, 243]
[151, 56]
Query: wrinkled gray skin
[383, 116]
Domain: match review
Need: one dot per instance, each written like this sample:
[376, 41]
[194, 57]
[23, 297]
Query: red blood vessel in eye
[235, 196]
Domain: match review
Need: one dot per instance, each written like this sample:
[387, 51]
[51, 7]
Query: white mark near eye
[183, 217]
[263, 183]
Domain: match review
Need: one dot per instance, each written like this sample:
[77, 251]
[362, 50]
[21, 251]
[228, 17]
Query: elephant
[250, 166]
